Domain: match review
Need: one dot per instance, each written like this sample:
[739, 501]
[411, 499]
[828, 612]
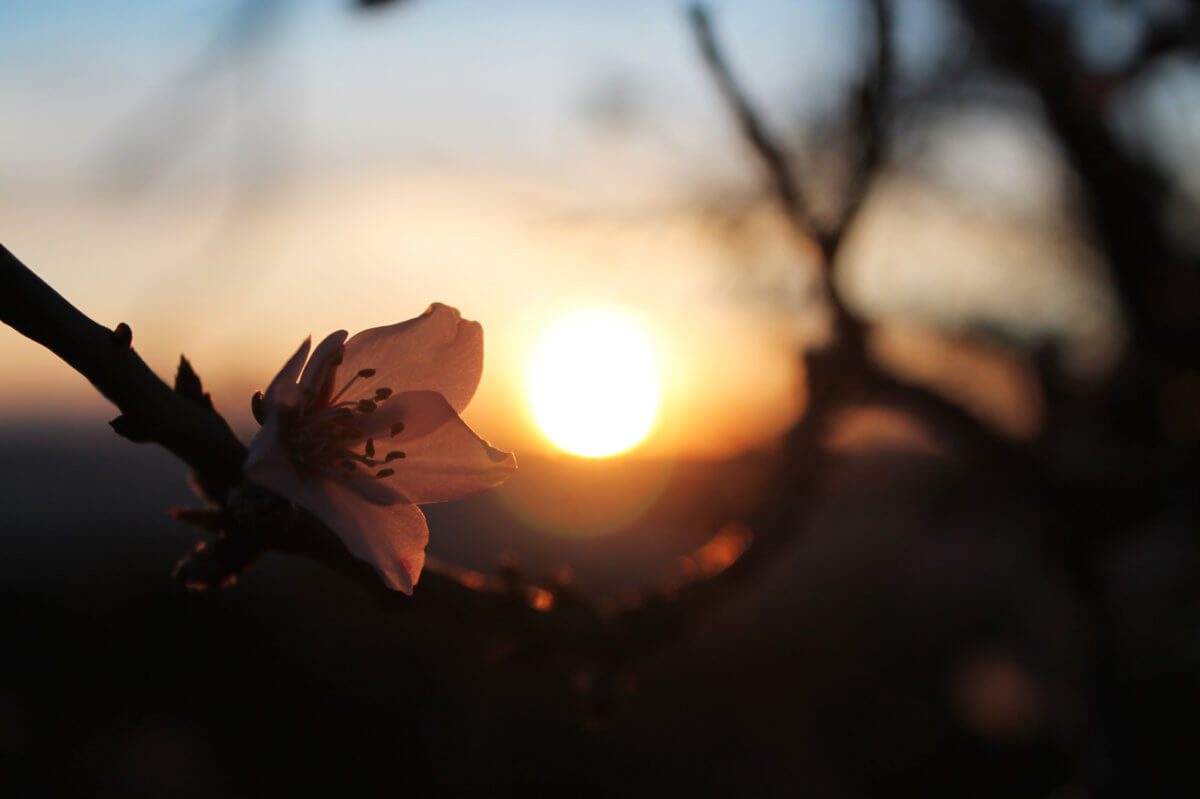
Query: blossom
[369, 428]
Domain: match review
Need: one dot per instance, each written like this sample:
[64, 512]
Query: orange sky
[346, 175]
[367, 250]
[377, 249]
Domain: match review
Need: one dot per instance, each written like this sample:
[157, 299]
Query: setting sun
[595, 383]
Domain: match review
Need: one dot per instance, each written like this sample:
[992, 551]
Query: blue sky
[417, 82]
[502, 82]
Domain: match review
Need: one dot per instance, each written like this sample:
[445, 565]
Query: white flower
[369, 429]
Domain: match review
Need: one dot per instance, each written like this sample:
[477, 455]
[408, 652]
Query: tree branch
[1124, 198]
[872, 118]
[843, 372]
[872, 129]
[776, 164]
[151, 410]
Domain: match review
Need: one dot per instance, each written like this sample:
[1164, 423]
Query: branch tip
[187, 384]
[122, 336]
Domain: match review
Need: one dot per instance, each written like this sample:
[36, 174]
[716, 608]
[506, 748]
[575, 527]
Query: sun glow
[594, 383]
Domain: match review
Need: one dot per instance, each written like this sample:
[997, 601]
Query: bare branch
[773, 157]
[843, 372]
[151, 410]
[872, 117]
[781, 175]
[1124, 198]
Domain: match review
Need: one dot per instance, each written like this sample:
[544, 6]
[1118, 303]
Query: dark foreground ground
[885, 657]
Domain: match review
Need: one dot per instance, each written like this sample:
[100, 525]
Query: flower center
[330, 441]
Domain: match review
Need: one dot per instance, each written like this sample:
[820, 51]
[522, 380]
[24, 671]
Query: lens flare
[595, 383]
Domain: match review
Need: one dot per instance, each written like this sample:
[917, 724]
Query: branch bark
[150, 409]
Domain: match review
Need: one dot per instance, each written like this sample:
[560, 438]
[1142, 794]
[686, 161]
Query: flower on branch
[369, 428]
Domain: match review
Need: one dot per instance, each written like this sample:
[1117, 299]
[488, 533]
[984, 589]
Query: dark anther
[366, 372]
[370, 448]
[366, 406]
[393, 455]
[382, 393]
[397, 428]
[385, 473]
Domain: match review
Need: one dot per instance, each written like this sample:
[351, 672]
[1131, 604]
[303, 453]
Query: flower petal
[283, 391]
[438, 351]
[315, 383]
[268, 463]
[374, 490]
[391, 538]
[443, 458]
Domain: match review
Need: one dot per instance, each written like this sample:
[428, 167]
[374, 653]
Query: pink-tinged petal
[442, 457]
[269, 464]
[315, 383]
[391, 538]
[362, 481]
[283, 391]
[438, 351]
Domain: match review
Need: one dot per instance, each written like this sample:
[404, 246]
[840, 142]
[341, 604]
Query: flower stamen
[364, 373]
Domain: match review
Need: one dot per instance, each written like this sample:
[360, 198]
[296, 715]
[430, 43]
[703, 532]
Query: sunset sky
[229, 189]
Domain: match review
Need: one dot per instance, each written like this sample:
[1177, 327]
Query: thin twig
[842, 372]
[781, 173]
[775, 161]
[872, 121]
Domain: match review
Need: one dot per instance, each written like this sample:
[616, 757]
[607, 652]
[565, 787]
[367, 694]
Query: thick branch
[1124, 198]
[151, 410]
